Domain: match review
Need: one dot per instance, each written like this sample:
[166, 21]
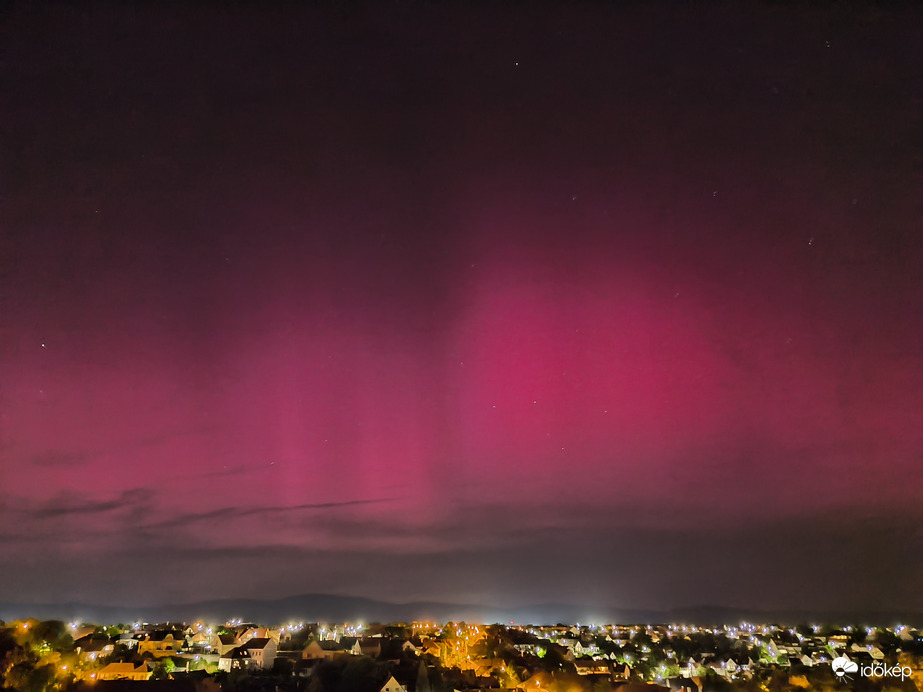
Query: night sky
[497, 304]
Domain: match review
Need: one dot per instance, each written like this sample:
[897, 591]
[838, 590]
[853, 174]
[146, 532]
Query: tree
[422, 678]
[53, 634]
[25, 676]
[7, 643]
[554, 660]
[163, 669]
[509, 677]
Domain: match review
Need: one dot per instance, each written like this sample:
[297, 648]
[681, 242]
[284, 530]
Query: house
[92, 647]
[569, 642]
[260, 633]
[409, 647]
[369, 646]
[225, 643]
[313, 651]
[162, 643]
[685, 684]
[262, 651]
[124, 671]
[820, 657]
[235, 659]
[392, 685]
[783, 646]
[81, 631]
[128, 640]
[584, 648]
[350, 645]
[866, 649]
[204, 641]
[324, 650]
[587, 666]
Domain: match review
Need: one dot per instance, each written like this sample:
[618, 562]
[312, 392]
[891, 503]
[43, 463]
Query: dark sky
[500, 304]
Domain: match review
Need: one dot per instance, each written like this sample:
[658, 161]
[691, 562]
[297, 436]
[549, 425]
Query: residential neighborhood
[53, 656]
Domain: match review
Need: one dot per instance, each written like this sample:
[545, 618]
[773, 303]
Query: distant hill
[333, 608]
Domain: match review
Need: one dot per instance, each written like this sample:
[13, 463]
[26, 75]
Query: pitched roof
[93, 642]
[160, 635]
[123, 668]
[236, 652]
[256, 643]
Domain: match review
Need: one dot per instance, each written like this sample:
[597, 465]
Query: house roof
[256, 643]
[123, 668]
[590, 663]
[93, 642]
[236, 652]
[160, 635]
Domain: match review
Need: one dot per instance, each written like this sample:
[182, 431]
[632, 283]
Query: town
[235, 656]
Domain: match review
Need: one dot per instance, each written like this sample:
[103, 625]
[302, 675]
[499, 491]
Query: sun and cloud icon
[842, 667]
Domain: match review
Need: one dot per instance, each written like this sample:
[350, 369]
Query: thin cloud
[129, 499]
[235, 512]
